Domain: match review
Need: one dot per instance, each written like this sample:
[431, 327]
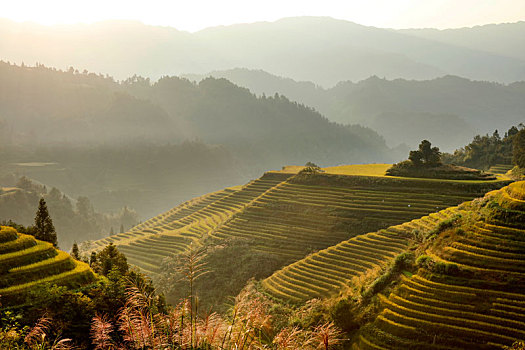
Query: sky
[193, 15]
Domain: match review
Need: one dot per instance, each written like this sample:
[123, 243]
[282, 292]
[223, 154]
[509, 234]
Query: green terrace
[481, 305]
[26, 262]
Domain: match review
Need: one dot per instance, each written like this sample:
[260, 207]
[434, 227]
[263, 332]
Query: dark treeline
[487, 150]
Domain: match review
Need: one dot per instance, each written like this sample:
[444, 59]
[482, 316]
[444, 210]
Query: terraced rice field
[172, 232]
[483, 307]
[331, 270]
[294, 219]
[500, 168]
[26, 262]
[286, 216]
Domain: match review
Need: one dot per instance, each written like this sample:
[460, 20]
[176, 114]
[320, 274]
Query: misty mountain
[448, 110]
[55, 107]
[41, 105]
[505, 39]
[148, 145]
[318, 49]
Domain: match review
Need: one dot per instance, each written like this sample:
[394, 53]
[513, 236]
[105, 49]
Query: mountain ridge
[401, 110]
[321, 49]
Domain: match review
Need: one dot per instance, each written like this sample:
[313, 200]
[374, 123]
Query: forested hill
[446, 110]
[126, 143]
[320, 49]
[90, 108]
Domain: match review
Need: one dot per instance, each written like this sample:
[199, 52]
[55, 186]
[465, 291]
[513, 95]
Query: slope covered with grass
[26, 262]
[469, 290]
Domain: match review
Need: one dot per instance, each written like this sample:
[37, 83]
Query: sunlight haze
[199, 14]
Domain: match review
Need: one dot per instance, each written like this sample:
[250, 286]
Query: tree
[518, 149]
[44, 229]
[110, 258]
[121, 228]
[416, 157]
[486, 151]
[74, 251]
[426, 155]
[311, 168]
[311, 164]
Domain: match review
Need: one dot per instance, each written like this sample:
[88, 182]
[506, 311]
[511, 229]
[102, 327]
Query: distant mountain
[448, 110]
[319, 49]
[505, 39]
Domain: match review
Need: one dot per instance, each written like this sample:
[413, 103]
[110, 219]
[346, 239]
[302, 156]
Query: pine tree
[121, 228]
[74, 251]
[44, 229]
[111, 232]
[426, 155]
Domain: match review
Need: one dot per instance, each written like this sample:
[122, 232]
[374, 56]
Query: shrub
[342, 313]
[311, 170]
[445, 268]
[404, 261]
[445, 224]
[425, 262]
[418, 235]
[379, 284]
[7, 234]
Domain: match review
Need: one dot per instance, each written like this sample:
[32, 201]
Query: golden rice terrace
[292, 215]
[26, 262]
[470, 292]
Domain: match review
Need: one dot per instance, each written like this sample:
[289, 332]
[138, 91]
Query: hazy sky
[193, 15]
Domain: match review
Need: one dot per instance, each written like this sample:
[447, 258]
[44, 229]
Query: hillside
[26, 262]
[319, 49]
[290, 215]
[149, 145]
[468, 291]
[448, 110]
